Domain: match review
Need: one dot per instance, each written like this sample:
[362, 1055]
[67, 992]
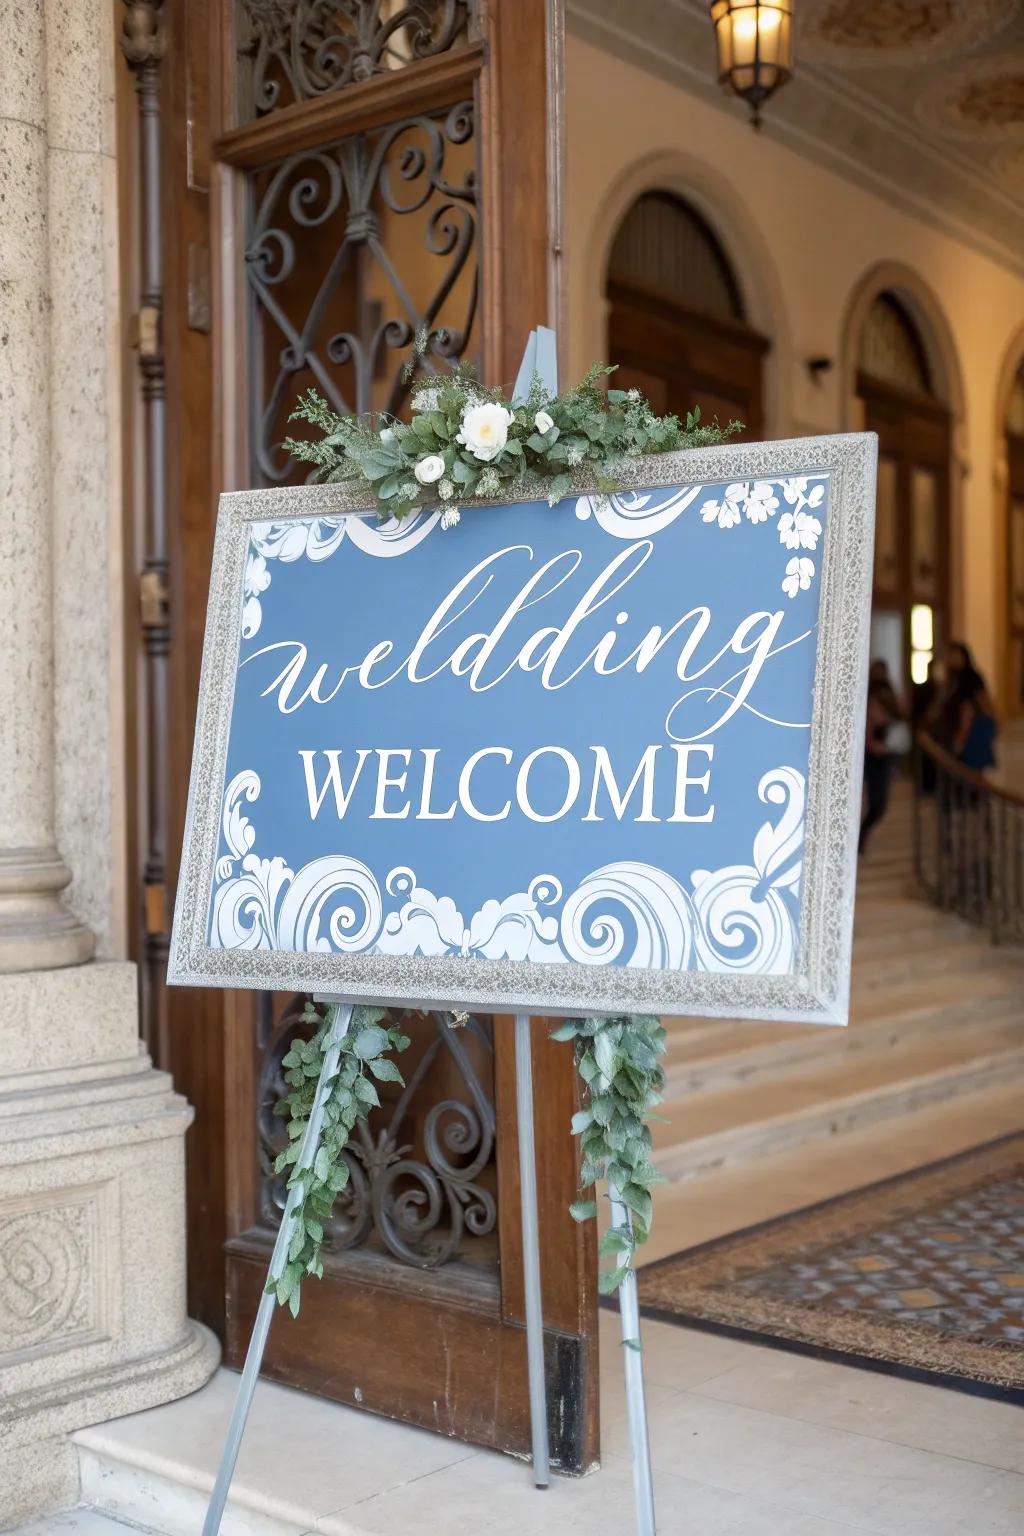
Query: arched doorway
[1014, 428]
[676, 322]
[897, 390]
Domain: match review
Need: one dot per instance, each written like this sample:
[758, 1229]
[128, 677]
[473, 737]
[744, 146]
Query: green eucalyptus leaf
[583, 1210]
[370, 1042]
[385, 1071]
[366, 1092]
[611, 1279]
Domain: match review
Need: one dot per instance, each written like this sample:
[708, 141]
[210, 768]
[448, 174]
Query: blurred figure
[925, 701]
[967, 716]
[883, 711]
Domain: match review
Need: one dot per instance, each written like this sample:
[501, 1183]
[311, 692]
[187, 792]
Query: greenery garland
[619, 1061]
[465, 440]
[351, 1096]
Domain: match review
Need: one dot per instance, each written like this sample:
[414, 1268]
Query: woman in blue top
[969, 714]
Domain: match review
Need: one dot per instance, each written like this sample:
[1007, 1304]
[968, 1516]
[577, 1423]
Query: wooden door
[681, 358]
[912, 525]
[335, 179]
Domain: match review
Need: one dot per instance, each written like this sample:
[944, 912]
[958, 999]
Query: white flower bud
[429, 469]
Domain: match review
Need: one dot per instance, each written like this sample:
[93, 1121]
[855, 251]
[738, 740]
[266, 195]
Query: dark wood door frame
[442, 1348]
[915, 430]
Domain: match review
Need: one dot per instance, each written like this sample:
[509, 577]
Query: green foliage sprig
[619, 1061]
[351, 1095]
[542, 441]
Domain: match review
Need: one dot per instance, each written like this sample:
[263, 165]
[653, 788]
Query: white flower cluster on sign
[758, 500]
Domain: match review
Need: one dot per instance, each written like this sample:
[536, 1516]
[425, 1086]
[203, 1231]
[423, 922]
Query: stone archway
[900, 377]
[728, 218]
[677, 324]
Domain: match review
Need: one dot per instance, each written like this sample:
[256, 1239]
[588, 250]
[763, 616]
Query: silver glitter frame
[818, 990]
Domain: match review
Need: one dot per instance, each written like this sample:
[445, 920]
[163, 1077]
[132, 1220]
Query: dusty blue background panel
[636, 889]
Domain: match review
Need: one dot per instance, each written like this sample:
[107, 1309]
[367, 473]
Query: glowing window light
[922, 628]
[920, 661]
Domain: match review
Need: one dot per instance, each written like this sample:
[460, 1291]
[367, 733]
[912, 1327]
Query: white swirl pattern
[637, 514]
[740, 918]
[317, 540]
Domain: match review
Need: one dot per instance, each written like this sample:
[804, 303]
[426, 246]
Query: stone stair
[937, 1013]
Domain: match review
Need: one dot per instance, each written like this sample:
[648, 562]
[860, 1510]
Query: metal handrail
[968, 842]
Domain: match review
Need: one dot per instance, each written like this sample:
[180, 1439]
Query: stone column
[36, 930]
[93, 1321]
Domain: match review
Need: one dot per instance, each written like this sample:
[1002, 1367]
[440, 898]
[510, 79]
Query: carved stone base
[92, 1242]
[37, 932]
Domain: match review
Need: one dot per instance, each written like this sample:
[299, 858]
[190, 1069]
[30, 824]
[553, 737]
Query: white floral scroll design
[740, 918]
[757, 501]
[317, 540]
[640, 514]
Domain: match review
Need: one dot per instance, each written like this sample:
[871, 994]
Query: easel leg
[340, 1016]
[531, 1252]
[636, 1404]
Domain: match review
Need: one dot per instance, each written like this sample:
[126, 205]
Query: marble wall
[93, 1320]
[85, 463]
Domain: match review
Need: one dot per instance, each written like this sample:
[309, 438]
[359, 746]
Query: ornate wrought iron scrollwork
[293, 50]
[419, 1198]
[339, 283]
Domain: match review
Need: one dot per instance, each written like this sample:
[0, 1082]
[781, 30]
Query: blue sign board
[547, 746]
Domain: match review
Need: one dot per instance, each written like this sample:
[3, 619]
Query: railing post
[979, 844]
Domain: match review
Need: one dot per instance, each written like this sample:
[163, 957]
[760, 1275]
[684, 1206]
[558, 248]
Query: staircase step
[751, 1052]
[953, 957]
[714, 1130]
[305, 1465]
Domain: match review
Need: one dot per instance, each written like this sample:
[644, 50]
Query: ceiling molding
[835, 121]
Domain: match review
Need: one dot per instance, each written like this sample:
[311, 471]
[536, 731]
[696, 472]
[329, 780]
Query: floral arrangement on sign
[465, 441]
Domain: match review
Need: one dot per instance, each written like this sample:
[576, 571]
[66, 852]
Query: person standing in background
[967, 716]
[882, 712]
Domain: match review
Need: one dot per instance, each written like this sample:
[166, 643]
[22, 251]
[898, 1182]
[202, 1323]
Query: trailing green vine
[363, 1055]
[619, 1061]
[465, 440]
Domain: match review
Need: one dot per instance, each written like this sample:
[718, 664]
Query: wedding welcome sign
[602, 756]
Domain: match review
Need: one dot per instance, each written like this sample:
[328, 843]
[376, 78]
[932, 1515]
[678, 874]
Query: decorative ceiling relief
[881, 32]
[983, 100]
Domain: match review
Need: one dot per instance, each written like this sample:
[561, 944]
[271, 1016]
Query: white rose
[387, 435]
[543, 422]
[485, 430]
[429, 469]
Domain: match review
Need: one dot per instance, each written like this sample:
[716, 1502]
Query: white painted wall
[810, 251]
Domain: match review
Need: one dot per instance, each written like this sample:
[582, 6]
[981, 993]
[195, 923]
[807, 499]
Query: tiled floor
[746, 1442]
